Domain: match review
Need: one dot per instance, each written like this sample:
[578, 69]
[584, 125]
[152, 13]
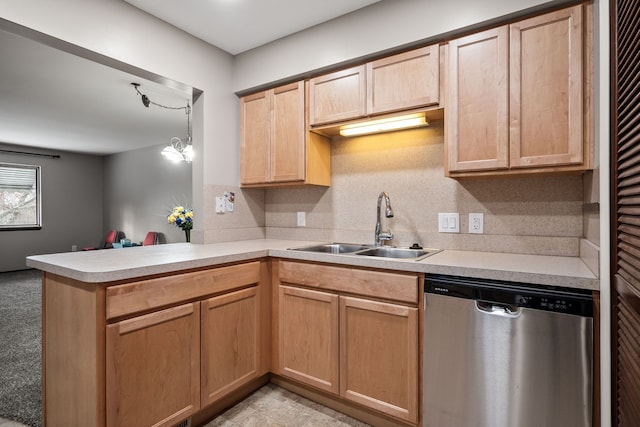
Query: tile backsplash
[538, 215]
[246, 222]
[533, 215]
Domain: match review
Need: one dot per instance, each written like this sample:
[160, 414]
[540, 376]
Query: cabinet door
[404, 81]
[477, 108]
[546, 99]
[308, 323]
[337, 96]
[153, 368]
[288, 134]
[230, 343]
[379, 356]
[255, 138]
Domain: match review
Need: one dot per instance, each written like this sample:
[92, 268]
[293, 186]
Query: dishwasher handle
[497, 309]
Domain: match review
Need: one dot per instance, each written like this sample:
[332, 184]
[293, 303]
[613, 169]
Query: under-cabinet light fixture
[385, 125]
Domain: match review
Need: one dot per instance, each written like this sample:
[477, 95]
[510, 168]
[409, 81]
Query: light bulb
[172, 154]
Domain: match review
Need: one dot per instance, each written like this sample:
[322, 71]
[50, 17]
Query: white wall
[377, 28]
[140, 190]
[601, 83]
[122, 32]
[71, 207]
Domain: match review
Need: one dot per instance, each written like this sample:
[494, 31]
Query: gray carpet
[20, 347]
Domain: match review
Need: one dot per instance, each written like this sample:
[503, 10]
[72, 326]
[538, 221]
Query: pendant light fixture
[178, 149]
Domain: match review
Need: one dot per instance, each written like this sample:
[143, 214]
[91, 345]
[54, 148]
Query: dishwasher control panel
[556, 299]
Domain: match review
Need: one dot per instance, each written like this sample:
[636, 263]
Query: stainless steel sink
[334, 248]
[368, 250]
[403, 253]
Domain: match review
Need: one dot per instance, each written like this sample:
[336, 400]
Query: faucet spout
[379, 234]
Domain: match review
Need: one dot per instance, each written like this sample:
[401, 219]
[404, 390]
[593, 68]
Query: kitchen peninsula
[206, 318]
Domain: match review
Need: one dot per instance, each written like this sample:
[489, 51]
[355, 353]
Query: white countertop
[100, 266]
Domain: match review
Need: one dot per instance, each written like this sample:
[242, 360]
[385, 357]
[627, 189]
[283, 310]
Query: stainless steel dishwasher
[505, 354]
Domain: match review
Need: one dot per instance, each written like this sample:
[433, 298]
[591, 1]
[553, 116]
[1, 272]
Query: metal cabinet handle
[506, 310]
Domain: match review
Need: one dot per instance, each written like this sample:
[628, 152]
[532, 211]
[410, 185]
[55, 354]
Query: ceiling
[239, 25]
[59, 101]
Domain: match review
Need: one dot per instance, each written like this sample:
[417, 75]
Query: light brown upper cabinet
[404, 81]
[275, 148]
[519, 97]
[255, 139]
[338, 96]
[477, 109]
[400, 82]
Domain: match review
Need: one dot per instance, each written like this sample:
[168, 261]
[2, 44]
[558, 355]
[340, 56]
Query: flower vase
[187, 235]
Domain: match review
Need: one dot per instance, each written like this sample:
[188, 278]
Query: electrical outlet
[449, 222]
[476, 223]
[302, 221]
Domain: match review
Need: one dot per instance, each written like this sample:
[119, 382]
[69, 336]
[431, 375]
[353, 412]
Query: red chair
[150, 239]
[112, 237]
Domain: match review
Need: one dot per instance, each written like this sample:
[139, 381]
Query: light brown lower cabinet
[153, 368]
[203, 350]
[156, 351]
[379, 356]
[152, 352]
[360, 348]
[309, 337]
[230, 342]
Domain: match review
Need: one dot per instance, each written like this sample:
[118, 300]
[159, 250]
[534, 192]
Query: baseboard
[338, 404]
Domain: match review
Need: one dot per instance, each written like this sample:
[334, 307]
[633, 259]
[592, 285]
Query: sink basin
[403, 253]
[368, 250]
[333, 248]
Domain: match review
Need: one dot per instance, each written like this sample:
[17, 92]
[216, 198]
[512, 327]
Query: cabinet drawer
[153, 293]
[375, 284]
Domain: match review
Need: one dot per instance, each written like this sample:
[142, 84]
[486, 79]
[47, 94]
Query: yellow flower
[181, 217]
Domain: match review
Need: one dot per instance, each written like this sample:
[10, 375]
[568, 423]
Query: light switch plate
[449, 222]
[220, 202]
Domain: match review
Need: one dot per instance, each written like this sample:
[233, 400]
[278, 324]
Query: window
[20, 205]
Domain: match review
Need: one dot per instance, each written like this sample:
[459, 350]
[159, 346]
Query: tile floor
[271, 406]
[274, 406]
